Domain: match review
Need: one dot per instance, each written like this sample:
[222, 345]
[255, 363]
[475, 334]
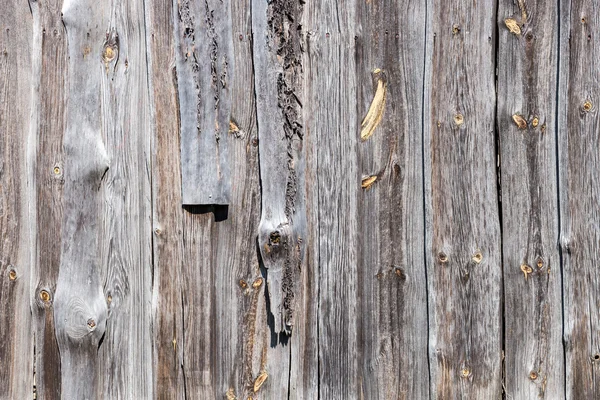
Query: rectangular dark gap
[220, 211]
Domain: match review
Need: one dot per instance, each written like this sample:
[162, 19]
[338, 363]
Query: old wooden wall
[301, 199]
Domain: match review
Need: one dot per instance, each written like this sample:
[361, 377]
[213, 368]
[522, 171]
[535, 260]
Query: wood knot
[243, 284]
[368, 181]
[526, 269]
[477, 257]
[465, 372]
[45, 296]
[459, 119]
[257, 283]
[12, 275]
[535, 122]
[513, 26]
[587, 106]
[442, 257]
[455, 29]
[533, 375]
[519, 121]
[91, 323]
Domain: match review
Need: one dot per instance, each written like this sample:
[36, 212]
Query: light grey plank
[331, 101]
[204, 61]
[578, 142]
[16, 350]
[463, 230]
[527, 74]
[125, 355]
[80, 308]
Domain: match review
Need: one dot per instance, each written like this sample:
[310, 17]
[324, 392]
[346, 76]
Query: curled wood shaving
[260, 380]
[513, 26]
[373, 117]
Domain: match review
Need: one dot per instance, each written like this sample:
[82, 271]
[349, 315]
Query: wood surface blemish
[375, 112]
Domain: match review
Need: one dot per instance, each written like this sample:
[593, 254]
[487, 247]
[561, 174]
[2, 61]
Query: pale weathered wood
[527, 74]
[47, 158]
[278, 38]
[331, 101]
[80, 307]
[204, 58]
[391, 280]
[579, 161]
[16, 344]
[463, 232]
[125, 356]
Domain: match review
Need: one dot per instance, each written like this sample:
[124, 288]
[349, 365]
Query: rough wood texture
[204, 56]
[16, 345]
[47, 159]
[578, 144]
[80, 307]
[391, 292]
[125, 355]
[463, 232]
[278, 48]
[331, 93]
[527, 74]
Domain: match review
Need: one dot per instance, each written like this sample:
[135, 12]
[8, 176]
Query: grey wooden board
[578, 166]
[204, 61]
[125, 356]
[534, 359]
[80, 308]
[391, 280]
[278, 66]
[47, 163]
[16, 345]
[461, 201]
[331, 95]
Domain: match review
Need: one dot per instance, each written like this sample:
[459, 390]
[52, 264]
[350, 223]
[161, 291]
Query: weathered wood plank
[278, 83]
[16, 341]
[578, 143]
[391, 290]
[47, 155]
[125, 355]
[463, 232]
[167, 316]
[527, 74]
[80, 308]
[331, 98]
[204, 57]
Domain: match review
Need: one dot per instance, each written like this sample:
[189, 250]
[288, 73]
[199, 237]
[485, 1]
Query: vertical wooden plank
[47, 156]
[167, 316]
[204, 56]
[578, 143]
[527, 77]
[125, 355]
[331, 93]
[392, 301]
[80, 308]
[16, 350]
[278, 84]
[463, 232]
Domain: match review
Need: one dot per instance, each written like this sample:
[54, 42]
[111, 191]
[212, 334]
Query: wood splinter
[373, 117]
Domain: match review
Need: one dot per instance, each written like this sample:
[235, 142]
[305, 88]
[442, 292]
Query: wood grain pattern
[527, 78]
[463, 232]
[392, 300]
[278, 41]
[578, 166]
[125, 355]
[16, 345]
[331, 93]
[80, 308]
[47, 162]
[204, 56]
